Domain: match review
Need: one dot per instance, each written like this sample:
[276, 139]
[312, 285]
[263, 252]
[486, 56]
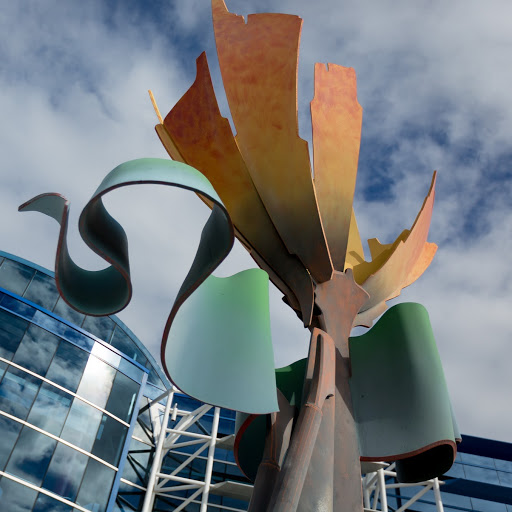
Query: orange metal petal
[336, 118]
[258, 61]
[204, 139]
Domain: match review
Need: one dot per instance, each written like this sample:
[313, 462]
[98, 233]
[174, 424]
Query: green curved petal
[401, 402]
[107, 291]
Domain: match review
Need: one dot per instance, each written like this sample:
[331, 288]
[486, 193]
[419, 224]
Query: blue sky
[434, 82]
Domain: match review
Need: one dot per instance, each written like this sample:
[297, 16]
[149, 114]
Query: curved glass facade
[70, 389]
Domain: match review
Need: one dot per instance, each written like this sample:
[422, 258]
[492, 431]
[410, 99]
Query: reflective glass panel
[153, 377]
[481, 474]
[68, 366]
[127, 346]
[109, 440]
[42, 291]
[17, 392]
[3, 367]
[488, 506]
[131, 370]
[478, 460]
[96, 382]
[31, 456]
[68, 313]
[15, 276]
[503, 465]
[19, 307]
[505, 478]
[12, 329]
[101, 326]
[136, 466]
[122, 397]
[46, 504]
[9, 431]
[65, 472]
[106, 353]
[96, 486]
[15, 497]
[50, 409]
[36, 350]
[81, 425]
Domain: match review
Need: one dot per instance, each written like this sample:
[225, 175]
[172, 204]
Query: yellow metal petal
[405, 261]
[258, 61]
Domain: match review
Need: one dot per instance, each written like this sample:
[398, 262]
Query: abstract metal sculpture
[302, 232]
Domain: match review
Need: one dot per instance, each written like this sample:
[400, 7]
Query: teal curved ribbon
[108, 291]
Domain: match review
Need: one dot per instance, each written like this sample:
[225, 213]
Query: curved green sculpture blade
[219, 346]
[401, 402]
[237, 317]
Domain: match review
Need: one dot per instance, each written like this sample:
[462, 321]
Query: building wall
[68, 400]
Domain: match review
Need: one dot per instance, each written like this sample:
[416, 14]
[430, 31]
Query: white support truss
[168, 440]
[375, 488]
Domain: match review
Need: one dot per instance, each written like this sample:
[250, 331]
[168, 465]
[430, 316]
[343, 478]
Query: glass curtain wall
[68, 401]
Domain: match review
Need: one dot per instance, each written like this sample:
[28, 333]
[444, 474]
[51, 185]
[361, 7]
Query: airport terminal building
[83, 407]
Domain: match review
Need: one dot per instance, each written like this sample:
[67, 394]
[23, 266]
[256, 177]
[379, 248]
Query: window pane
[15, 497]
[46, 504]
[36, 350]
[96, 486]
[481, 474]
[505, 478]
[81, 425]
[109, 440]
[68, 313]
[131, 370]
[503, 465]
[478, 460]
[154, 378]
[15, 277]
[42, 291]
[100, 326]
[9, 431]
[136, 467]
[17, 392]
[12, 329]
[65, 472]
[31, 456]
[122, 397]
[3, 367]
[67, 366]
[50, 409]
[19, 307]
[127, 346]
[96, 382]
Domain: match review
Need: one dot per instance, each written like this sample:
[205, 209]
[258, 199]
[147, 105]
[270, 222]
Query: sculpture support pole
[318, 387]
[340, 300]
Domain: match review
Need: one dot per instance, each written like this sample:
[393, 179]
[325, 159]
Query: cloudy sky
[435, 83]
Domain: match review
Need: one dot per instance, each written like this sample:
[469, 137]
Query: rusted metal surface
[203, 138]
[317, 491]
[258, 61]
[340, 300]
[319, 385]
[276, 445]
[336, 119]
